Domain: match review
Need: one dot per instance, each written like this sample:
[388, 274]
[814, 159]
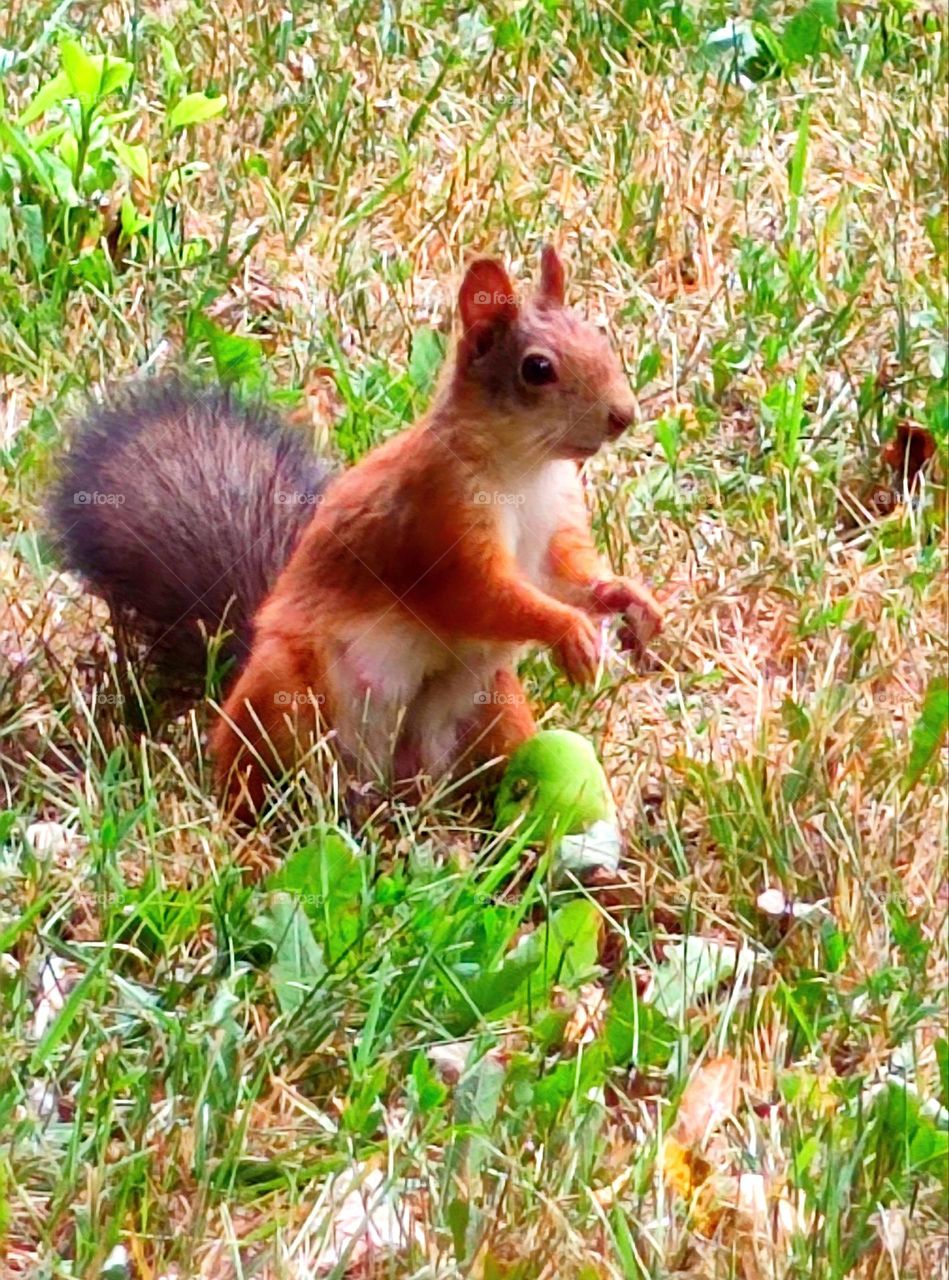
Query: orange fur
[430, 564]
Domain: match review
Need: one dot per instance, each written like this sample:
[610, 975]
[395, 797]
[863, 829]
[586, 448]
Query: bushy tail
[179, 506]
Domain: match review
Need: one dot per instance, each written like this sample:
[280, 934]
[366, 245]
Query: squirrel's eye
[537, 371]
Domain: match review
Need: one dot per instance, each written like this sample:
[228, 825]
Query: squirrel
[390, 602]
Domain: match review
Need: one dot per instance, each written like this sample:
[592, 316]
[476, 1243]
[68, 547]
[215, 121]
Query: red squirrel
[417, 576]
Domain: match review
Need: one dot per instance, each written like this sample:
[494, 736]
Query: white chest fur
[532, 511]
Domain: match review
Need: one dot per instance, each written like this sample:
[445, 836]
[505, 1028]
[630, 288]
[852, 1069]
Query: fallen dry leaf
[361, 1217]
[708, 1101]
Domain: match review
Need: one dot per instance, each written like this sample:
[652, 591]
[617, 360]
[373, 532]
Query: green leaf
[362, 1110]
[563, 950]
[649, 365]
[22, 922]
[427, 1091]
[909, 1144]
[52, 92]
[573, 1078]
[115, 72]
[636, 1032]
[88, 77]
[326, 878]
[30, 218]
[929, 731]
[668, 433]
[477, 1099]
[942, 1058]
[425, 360]
[803, 36]
[85, 77]
[66, 1016]
[799, 158]
[297, 966]
[195, 108]
[172, 67]
[133, 156]
[236, 358]
[131, 219]
[769, 58]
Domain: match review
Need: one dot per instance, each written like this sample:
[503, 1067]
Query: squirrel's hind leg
[268, 721]
[505, 718]
[499, 722]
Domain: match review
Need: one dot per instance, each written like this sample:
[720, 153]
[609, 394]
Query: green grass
[197, 1061]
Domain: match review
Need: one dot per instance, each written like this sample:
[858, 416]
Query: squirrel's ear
[487, 296]
[552, 283]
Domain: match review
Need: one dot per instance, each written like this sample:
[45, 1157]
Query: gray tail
[179, 506]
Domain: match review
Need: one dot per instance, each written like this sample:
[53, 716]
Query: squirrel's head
[537, 367]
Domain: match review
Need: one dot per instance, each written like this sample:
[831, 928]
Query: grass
[196, 1075]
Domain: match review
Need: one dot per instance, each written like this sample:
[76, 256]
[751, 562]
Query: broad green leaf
[172, 67]
[85, 77]
[115, 72]
[427, 1091]
[195, 108]
[929, 731]
[803, 35]
[361, 1113]
[131, 219]
[477, 1098]
[668, 433]
[573, 1078]
[297, 965]
[236, 358]
[326, 878]
[563, 950]
[636, 1032]
[133, 156]
[52, 92]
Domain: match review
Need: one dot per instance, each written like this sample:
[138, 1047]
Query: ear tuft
[552, 281]
[487, 296]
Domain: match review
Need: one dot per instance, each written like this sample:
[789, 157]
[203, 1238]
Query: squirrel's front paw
[578, 653]
[642, 613]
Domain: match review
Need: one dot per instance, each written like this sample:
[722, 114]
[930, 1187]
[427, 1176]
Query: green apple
[556, 782]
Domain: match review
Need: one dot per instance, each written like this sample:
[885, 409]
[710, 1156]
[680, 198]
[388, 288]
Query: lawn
[402, 1046]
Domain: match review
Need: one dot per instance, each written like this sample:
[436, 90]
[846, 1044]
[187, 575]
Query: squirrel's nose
[617, 422]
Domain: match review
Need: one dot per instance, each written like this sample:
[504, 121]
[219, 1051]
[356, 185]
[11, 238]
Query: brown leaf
[709, 1099]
